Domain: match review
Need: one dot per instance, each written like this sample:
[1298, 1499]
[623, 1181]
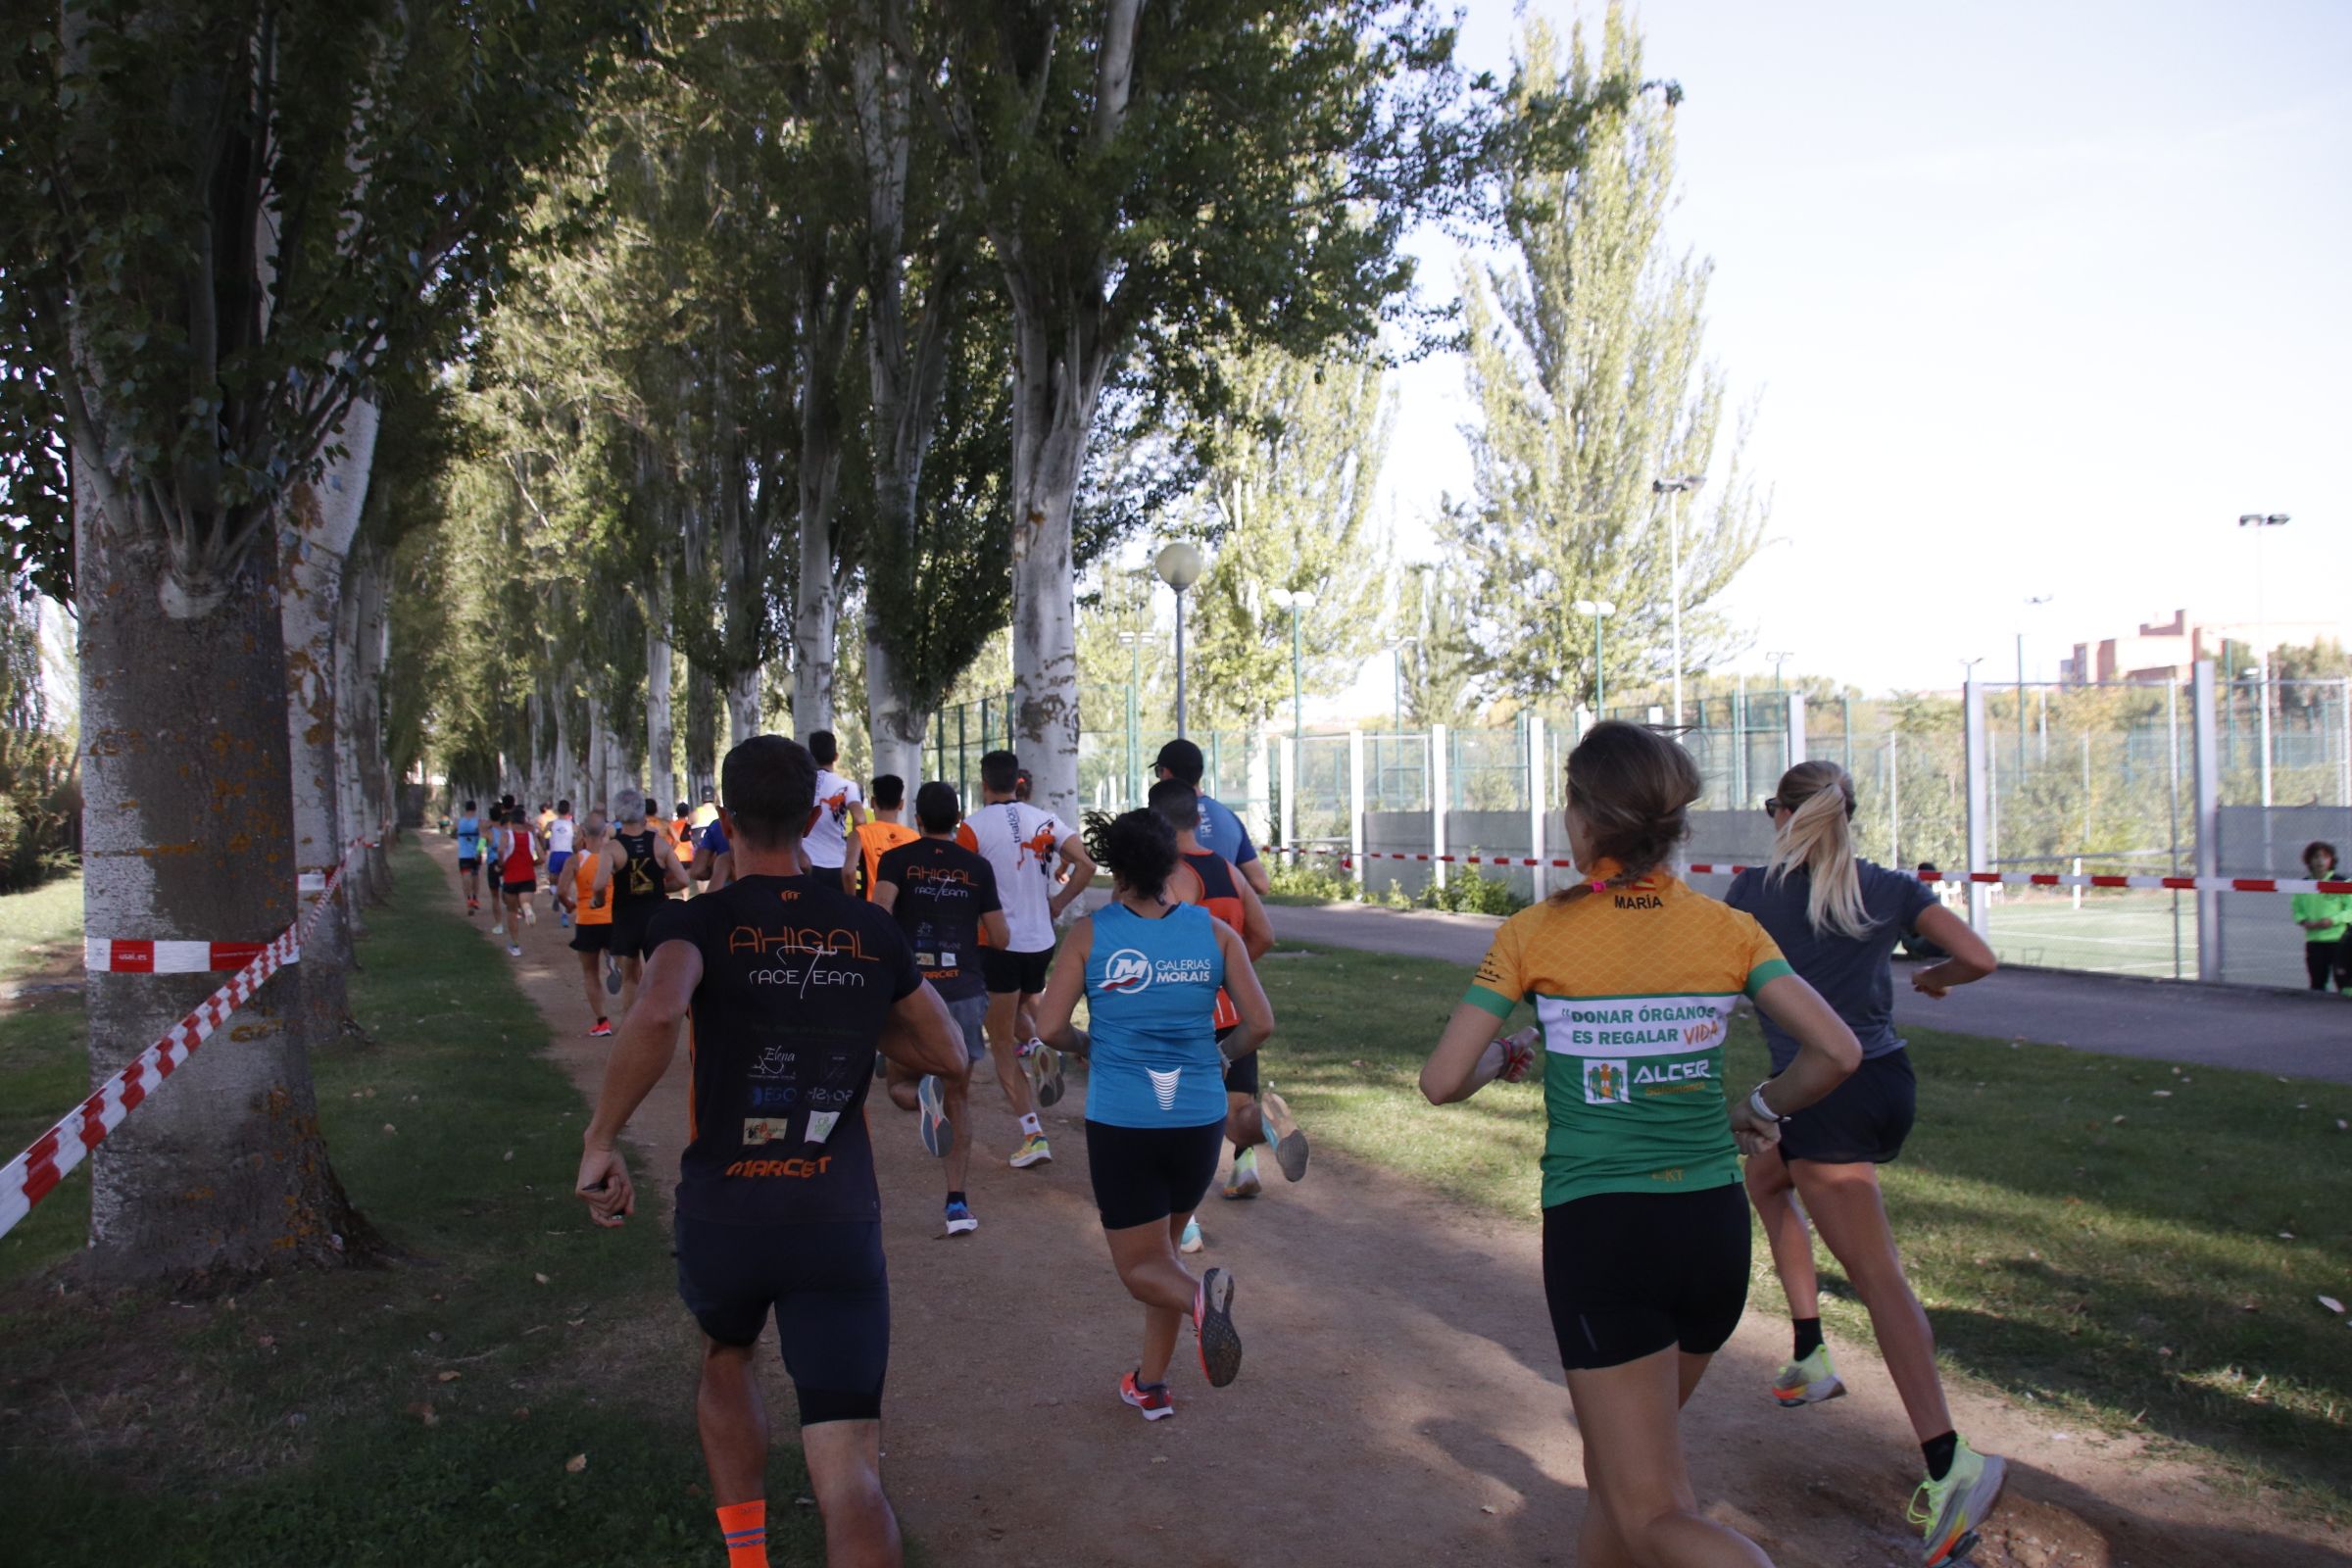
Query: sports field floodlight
[2262, 522]
[1295, 600]
[1600, 610]
[1675, 485]
[1179, 566]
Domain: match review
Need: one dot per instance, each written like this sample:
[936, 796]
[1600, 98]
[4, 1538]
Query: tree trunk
[373, 648]
[661, 734]
[816, 593]
[893, 727]
[599, 792]
[352, 893]
[743, 705]
[567, 762]
[318, 524]
[188, 825]
[1057, 378]
[1259, 771]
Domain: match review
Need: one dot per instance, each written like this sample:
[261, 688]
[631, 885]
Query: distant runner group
[831, 941]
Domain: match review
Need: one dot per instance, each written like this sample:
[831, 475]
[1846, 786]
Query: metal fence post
[1539, 786]
[1441, 792]
[2208, 781]
[1355, 809]
[1980, 805]
[1796, 729]
[1290, 793]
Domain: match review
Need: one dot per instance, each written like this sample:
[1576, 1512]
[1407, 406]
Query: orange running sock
[744, 1525]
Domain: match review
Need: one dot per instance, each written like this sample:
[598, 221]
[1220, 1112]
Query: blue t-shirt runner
[1150, 996]
[1851, 973]
[470, 838]
[1221, 832]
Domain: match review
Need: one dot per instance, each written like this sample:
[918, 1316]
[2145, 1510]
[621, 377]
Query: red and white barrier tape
[119, 955]
[34, 1174]
[2035, 879]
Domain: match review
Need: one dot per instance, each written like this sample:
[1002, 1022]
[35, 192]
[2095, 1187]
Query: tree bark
[660, 732]
[894, 728]
[816, 592]
[743, 707]
[373, 650]
[187, 807]
[352, 893]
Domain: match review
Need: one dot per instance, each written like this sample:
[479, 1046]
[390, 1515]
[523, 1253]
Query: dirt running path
[1401, 1402]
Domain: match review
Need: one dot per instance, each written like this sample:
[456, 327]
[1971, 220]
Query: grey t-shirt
[1851, 973]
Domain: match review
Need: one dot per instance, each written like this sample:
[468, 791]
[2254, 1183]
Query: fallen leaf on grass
[424, 1413]
[2119, 1121]
[2331, 1304]
[388, 1127]
[2163, 1093]
[446, 1377]
[541, 1278]
[523, 1412]
[577, 1463]
[1488, 1507]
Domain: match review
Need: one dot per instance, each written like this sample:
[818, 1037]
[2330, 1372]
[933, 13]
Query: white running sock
[1031, 1127]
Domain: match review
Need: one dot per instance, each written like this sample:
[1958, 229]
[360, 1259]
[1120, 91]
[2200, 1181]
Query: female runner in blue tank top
[1150, 970]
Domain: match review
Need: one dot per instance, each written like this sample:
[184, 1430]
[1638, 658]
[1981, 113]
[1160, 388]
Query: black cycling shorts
[592, 938]
[1142, 1174]
[1630, 1274]
[1006, 972]
[831, 1293]
[1863, 1121]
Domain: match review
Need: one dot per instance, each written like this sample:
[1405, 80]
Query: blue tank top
[1151, 996]
[470, 838]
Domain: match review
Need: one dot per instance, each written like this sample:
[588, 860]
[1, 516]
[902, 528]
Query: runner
[519, 878]
[1210, 880]
[791, 986]
[827, 845]
[558, 852]
[587, 895]
[547, 818]
[1220, 832]
[470, 858]
[886, 832]
[1022, 784]
[1838, 919]
[1024, 845]
[714, 857]
[645, 873]
[1633, 977]
[944, 897]
[1150, 971]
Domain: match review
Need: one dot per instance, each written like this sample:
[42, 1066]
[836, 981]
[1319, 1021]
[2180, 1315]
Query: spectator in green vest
[2324, 918]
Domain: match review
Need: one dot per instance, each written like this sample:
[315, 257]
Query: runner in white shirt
[841, 807]
[558, 852]
[1026, 845]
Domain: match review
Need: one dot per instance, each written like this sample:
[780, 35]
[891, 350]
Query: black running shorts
[1142, 1174]
[1007, 972]
[1630, 1274]
[470, 865]
[521, 885]
[1241, 1075]
[592, 938]
[831, 1293]
[1863, 1121]
[632, 923]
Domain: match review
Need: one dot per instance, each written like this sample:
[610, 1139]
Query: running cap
[1181, 760]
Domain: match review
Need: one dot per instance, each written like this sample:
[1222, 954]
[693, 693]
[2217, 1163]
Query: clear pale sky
[2037, 297]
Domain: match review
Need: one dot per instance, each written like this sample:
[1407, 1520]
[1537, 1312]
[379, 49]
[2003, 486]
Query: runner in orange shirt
[886, 831]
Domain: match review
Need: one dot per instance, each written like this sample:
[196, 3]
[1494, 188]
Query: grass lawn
[2123, 1241]
[424, 1413]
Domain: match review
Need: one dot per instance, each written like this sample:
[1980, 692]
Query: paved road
[2289, 1032]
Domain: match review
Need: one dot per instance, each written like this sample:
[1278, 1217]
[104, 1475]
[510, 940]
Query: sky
[2033, 298]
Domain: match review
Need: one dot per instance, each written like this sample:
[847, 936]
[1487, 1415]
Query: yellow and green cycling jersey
[1633, 987]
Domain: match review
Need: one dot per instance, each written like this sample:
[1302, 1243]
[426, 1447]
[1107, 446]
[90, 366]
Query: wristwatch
[1760, 1111]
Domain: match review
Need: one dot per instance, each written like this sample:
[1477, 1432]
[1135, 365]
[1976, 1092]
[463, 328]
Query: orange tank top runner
[1223, 901]
[583, 886]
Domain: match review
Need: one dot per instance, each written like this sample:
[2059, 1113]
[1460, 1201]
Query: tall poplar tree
[1587, 363]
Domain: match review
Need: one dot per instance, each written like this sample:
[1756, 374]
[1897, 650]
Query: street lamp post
[2262, 523]
[2032, 600]
[1680, 484]
[1179, 566]
[1294, 601]
[1601, 609]
[1779, 658]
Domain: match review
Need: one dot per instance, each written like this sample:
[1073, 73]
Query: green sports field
[2131, 933]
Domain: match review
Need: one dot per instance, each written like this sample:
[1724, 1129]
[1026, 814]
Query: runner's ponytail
[1819, 837]
[1633, 788]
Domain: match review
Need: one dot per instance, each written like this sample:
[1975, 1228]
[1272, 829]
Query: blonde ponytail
[1820, 800]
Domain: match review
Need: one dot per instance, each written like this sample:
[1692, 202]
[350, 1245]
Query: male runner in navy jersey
[792, 985]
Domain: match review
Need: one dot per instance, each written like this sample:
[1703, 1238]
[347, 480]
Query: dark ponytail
[1633, 788]
[1137, 848]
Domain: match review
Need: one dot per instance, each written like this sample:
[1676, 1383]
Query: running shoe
[604, 1027]
[1033, 1151]
[1244, 1183]
[1212, 1321]
[1809, 1380]
[1949, 1510]
[530, 912]
[612, 975]
[1040, 1064]
[563, 919]
[938, 1135]
[1192, 1241]
[960, 1221]
[1150, 1398]
[1289, 1142]
[514, 951]
[498, 926]
[473, 907]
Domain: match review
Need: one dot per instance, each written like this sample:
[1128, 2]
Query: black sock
[1808, 1336]
[1940, 1452]
[954, 1198]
